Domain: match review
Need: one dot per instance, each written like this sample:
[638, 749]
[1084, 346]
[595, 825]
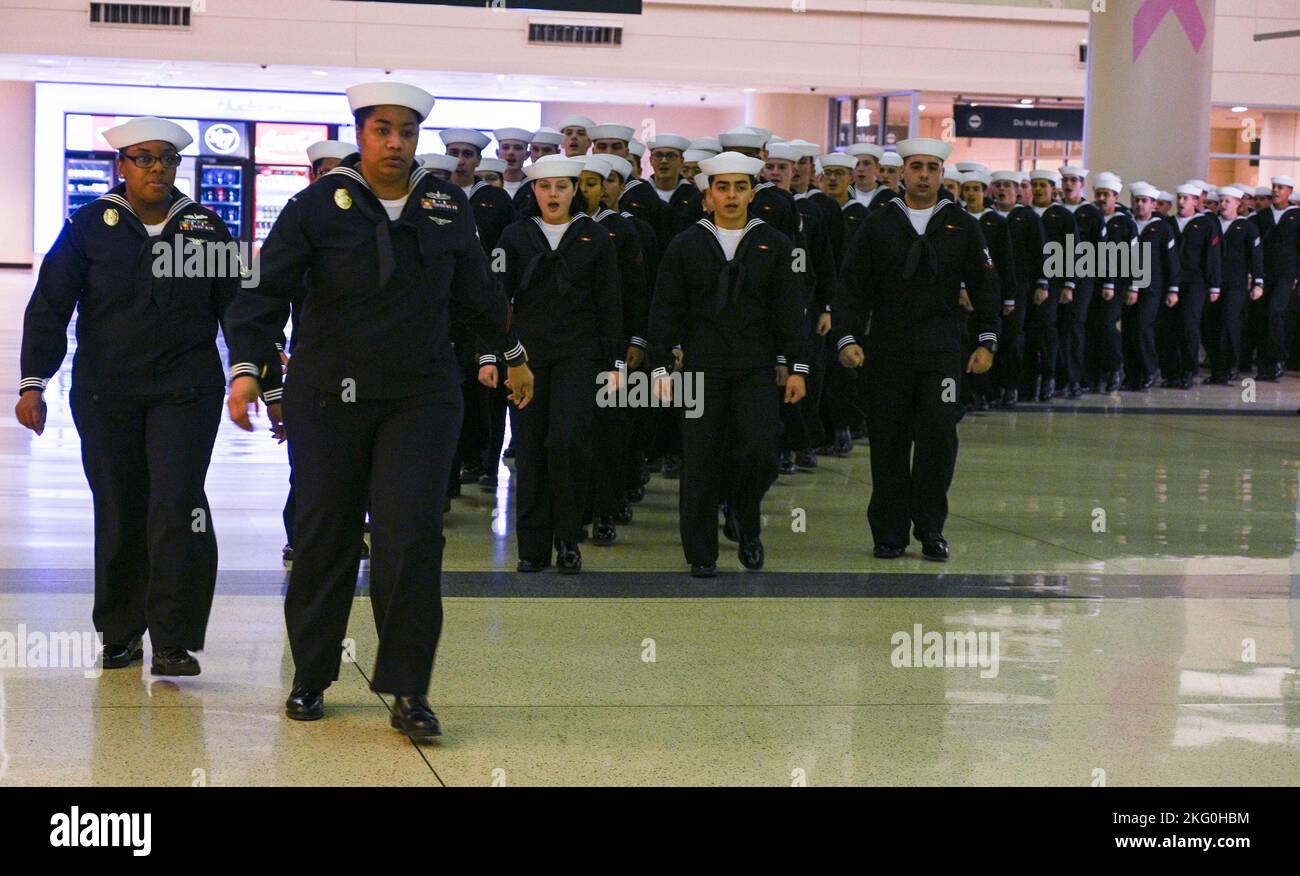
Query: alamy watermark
[1105, 260]
[636, 389]
[191, 258]
[35, 649]
[949, 650]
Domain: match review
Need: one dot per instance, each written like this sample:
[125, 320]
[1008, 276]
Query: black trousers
[1072, 325]
[399, 452]
[612, 426]
[913, 430]
[146, 459]
[1042, 343]
[289, 502]
[553, 456]
[728, 452]
[1011, 349]
[1182, 334]
[1279, 293]
[1229, 322]
[1139, 328]
[1107, 334]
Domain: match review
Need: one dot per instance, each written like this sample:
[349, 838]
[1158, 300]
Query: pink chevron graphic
[1152, 12]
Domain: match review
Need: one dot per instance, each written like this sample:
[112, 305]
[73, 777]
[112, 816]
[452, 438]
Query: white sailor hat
[394, 93]
[839, 159]
[1263, 191]
[1074, 170]
[1023, 176]
[775, 140]
[857, 150]
[610, 131]
[702, 181]
[597, 163]
[891, 159]
[781, 152]
[1047, 174]
[1109, 181]
[1205, 186]
[951, 173]
[1294, 198]
[1162, 195]
[438, 161]
[924, 146]
[146, 128]
[575, 122]
[491, 165]
[1212, 195]
[980, 177]
[636, 147]
[546, 137]
[329, 149]
[694, 156]
[1230, 192]
[743, 137]
[1011, 176]
[706, 144]
[553, 165]
[969, 166]
[817, 166]
[1189, 188]
[1144, 190]
[477, 139]
[520, 134]
[731, 162]
[1283, 181]
[1244, 188]
[804, 148]
[670, 141]
[618, 164]
[767, 133]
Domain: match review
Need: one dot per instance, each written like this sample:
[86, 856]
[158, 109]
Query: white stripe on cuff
[800, 368]
[245, 369]
[514, 352]
[489, 359]
[659, 372]
[638, 342]
[988, 336]
[844, 342]
[780, 360]
[1010, 302]
[1173, 288]
[34, 383]
[271, 396]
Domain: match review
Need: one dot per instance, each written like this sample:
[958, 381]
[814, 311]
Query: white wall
[17, 133]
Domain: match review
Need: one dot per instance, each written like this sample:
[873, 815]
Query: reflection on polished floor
[1124, 576]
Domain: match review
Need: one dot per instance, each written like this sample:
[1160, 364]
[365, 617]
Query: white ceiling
[194, 74]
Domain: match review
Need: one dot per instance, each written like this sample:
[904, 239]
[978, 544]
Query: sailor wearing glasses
[146, 393]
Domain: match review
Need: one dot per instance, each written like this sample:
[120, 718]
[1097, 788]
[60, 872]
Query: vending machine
[221, 190]
[86, 176]
[274, 186]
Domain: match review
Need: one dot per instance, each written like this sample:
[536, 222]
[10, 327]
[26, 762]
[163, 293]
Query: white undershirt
[1040, 210]
[512, 187]
[730, 239]
[864, 198]
[155, 230]
[1225, 223]
[1182, 222]
[395, 206]
[1143, 223]
[665, 195]
[1277, 214]
[554, 233]
[920, 218]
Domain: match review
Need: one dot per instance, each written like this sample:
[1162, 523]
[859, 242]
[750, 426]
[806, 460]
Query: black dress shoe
[786, 465]
[470, 473]
[568, 559]
[843, 445]
[1073, 391]
[120, 656]
[980, 403]
[488, 481]
[1234, 375]
[286, 554]
[412, 714]
[1009, 398]
[305, 704]
[1114, 383]
[624, 514]
[730, 525]
[1048, 391]
[806, 458]
[1148, 383]
[1267, 376]
[859, 434]
[1187, 382]
[532, 565]
[509, 452]
[935, 547]
[636, 494]
[751, 554]
[603, 531]
[654, 466]
[887, 552]
[704, 570]
[174, 661]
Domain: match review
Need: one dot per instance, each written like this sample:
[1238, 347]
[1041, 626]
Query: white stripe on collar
[179, 204]
[602, 213]
[416, 175]
[713, 229]
[764, 185]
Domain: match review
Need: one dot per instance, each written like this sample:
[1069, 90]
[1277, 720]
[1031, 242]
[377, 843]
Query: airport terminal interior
[1128, 562]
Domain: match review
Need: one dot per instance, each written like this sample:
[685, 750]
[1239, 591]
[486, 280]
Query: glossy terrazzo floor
[1160, 648]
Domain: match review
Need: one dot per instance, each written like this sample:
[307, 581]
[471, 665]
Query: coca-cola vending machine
[280, 155]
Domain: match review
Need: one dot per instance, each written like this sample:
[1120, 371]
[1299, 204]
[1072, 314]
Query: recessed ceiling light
[46, 62]
[577, 82]
[1025, 101]
[319, 73]
[750, 90]
[920, 108]
[1240, 109]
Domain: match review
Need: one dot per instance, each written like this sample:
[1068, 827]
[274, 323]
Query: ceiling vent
[561, 33]
[150, 15]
